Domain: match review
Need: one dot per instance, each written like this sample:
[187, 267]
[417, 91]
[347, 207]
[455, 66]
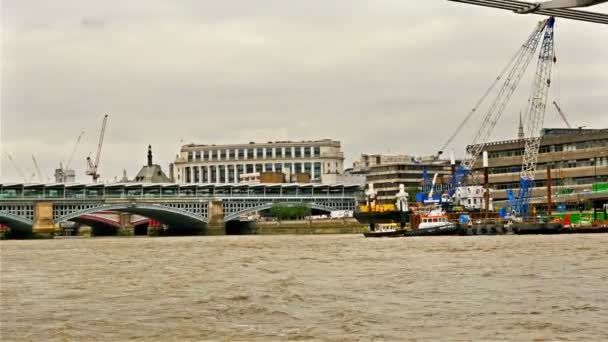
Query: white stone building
[223, 164]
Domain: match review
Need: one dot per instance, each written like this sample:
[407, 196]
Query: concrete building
[223, 164]
[367, 161]
[387, 177]
[577, 157]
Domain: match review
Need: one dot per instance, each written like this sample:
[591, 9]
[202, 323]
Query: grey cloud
[378, 75]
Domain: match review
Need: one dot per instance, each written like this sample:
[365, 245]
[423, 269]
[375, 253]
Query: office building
[221, 164]
[578, 158]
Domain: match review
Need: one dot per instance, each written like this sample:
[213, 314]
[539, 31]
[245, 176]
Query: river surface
[334, 288]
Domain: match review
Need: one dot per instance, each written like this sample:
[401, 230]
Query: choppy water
[306, 288]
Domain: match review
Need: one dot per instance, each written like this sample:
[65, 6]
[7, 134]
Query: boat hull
[383, 217]
[396, 233]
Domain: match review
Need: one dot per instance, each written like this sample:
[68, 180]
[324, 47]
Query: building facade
[386, 178]
[366, 161]
[224, 164]
[578, 158]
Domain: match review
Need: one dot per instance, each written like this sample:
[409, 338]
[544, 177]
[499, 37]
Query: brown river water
[334, 288]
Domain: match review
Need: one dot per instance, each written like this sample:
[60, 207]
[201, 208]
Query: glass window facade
[307, 152]
[278, 152]
[278, 167]
[268, 167]
[232, 155]
[239, 171]
[298, 151]
[269, 152]
[190, 156]
[317, 152]
[241, 153]
[259, 152]
[317, 168]
[307, 168]
[197, 155]
[259, 168]
[298, 167]
[288, 153]
[213, 174]
[222, 171]
[223, 154]
[231, 174]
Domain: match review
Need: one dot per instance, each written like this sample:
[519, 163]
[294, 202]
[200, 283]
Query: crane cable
[479, 102]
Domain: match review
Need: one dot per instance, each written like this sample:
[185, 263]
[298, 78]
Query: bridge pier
[126, 227]
[43, 218]
[216, 224]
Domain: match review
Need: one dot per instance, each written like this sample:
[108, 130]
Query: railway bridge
[40, 208]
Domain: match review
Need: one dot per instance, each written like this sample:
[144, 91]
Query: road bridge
[42, 207]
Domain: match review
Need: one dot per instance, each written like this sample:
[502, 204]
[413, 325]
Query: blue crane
[537, 104]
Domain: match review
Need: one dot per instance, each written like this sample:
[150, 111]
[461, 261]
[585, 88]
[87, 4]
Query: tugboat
[435, 222]
[386, 230]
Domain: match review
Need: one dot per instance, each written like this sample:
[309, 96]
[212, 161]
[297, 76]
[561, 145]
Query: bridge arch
[171, 215]
[266, 206]
[16, 222]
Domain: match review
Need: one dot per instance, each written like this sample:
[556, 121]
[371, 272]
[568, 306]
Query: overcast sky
[378, 75]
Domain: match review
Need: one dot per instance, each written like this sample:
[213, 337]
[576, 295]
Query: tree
[412, 191]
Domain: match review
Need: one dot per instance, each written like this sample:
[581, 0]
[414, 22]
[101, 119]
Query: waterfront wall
[341, 226]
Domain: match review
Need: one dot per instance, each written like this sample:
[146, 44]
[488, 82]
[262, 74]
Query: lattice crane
[561, 113]
[92, 166]
[512, 75]
[535, 116]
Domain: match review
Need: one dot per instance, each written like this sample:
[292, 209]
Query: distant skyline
[380, 76]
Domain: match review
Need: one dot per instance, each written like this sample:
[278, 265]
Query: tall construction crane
[17, 168]
[561, 113]
[71, 156]
[92, 166]
[535, 116]
[41, 177]
[512, 75]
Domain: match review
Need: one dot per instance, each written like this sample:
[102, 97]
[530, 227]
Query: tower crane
[561, 113]
[41, 177]
[92, 166]
[16, 167]
[535, 117]
[513, 74]
[71, 156]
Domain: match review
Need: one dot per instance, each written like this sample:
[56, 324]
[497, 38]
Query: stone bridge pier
[126, 226]
[216, 224]
[43, 218]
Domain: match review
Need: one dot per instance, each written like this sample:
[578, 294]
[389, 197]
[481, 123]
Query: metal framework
[519, 66]
[144, 191]
[183, 202]
[528, 7]
[536, 115]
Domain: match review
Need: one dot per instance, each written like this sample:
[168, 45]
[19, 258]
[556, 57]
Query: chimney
[149, 155]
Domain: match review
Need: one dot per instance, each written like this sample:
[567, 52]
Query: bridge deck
[121, 191]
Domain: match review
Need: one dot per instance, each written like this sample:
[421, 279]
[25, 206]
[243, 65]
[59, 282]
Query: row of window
[231, 173]
[408, 167]
[555, 182]
[256, 153]
[562, 164]
[553, 148]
